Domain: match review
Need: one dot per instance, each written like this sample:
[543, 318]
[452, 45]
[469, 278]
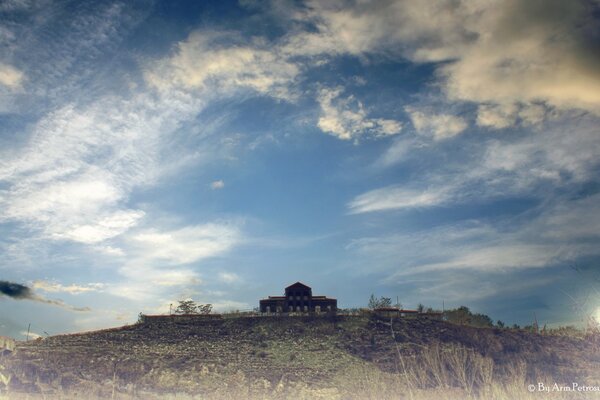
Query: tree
[375, 302]
[463, 316]
[191, 307]
[204, 308]
[187, 307]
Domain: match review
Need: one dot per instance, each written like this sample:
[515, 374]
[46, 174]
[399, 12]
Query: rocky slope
[207, 357]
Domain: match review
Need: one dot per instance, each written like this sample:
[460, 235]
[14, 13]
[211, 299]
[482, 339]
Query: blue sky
[442, 152]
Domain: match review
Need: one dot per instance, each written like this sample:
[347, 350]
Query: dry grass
[317, 360]
[438, 372]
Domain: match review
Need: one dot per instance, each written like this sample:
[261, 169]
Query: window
[305, 308]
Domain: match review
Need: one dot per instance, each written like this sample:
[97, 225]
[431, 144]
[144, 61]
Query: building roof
[298, 284]
[312, 297]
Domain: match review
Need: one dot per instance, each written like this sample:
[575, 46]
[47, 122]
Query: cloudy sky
[443, 152]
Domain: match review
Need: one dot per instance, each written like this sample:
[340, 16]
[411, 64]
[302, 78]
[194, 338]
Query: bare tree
[375, 302]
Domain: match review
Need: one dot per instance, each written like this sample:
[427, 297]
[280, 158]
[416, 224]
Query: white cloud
[495, 53]
[497, 116]
[103, 228]
[560, 234]
[570, 221]
[217, 185]
[231, 305]
[10, 76]
[402, 149]
[498, 169]
[499, 257]
[185, 245]
[395, 197]
[229, 277]
[440, 126]
[55, 287]
[201, 61]
[223, 63]
[532, 114]
[71, 179]
[470, 287]
[347, 118]
[159, 261]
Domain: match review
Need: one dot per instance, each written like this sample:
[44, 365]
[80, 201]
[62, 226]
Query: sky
[444, 153]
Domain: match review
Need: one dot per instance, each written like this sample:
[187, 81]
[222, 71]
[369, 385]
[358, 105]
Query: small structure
[7, 345]
[298, 298]
[394, 312]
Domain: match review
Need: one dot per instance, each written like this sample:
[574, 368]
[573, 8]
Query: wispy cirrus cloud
[396, 197]
[56, 287]
[185, 245]
[489, 247]
[159, 261]
[499, 169]
[72, 178]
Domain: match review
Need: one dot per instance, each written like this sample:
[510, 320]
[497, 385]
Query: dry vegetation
[344, 357]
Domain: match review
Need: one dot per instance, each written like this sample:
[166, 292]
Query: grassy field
[344, 357]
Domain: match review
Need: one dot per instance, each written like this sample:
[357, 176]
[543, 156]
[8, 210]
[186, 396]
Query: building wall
[292, 304]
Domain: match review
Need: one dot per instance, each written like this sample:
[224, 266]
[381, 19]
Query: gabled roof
[297, 284]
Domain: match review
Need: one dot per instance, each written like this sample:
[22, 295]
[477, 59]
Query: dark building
[298, 298]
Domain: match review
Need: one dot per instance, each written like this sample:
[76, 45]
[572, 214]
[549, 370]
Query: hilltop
[340, 357]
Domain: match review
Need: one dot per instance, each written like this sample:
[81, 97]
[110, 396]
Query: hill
[339, 357]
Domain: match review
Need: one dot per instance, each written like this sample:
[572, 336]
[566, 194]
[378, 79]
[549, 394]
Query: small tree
[204, 308]
[191, 307]
[187, 307]
[375, 302]
[372, 302]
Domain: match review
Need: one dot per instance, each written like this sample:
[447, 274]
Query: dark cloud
[15, 290]
[21, 292]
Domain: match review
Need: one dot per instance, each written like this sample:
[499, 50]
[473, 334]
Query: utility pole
[28, 328]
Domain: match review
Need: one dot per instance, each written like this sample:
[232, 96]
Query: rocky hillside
[270, 357]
